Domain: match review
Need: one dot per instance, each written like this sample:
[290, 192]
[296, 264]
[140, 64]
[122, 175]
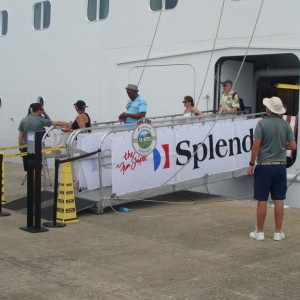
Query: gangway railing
[189, 155]
[110, 137]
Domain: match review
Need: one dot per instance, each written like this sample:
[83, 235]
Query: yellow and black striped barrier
[45, 150]
[66, 205]
[14, 155]
[2, 214]
[3, 201]
[13, 147]
[20, 154]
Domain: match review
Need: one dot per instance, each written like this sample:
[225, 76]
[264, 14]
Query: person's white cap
[275, 105]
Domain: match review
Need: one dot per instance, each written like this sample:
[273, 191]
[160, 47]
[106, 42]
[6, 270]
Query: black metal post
[55, 224]
[35, 186]
[2, 214]
[30, 193]
[38, 181]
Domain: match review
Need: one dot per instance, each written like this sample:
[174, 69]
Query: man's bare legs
[261, 215]
[278, 213]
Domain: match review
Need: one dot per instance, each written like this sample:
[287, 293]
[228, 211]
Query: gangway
[174, 154]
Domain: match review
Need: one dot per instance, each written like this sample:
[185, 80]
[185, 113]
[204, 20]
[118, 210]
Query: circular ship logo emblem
[144, 139]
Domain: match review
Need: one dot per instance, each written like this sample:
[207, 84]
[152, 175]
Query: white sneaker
[278, 236]
[260, 236]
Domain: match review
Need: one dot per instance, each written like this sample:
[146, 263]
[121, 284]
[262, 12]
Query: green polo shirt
[273, 132]
[33, 123]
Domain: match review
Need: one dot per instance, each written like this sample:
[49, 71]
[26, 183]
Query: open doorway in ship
[263, 76]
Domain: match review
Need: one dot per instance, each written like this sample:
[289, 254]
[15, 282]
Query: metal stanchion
[55, 224]
[30, 192]
[2, 214]
[34, 184]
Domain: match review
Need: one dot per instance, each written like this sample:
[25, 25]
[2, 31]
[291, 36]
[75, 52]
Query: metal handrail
[109, 128]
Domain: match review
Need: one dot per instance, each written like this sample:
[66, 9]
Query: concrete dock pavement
[188, 246]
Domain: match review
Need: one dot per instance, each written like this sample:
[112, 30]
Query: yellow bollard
[2, 187]
[66, 206]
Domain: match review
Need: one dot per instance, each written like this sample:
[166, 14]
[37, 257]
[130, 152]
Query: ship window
[97, 9]
[3, 22]
[41, 15]
[157, 4]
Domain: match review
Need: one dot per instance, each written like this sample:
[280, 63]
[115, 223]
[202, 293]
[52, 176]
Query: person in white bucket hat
[272, 137]
[275, 105]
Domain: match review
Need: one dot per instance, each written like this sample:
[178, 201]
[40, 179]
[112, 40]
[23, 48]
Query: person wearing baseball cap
[272, 137]
[230, 99]
[136, 107]
[83, 119]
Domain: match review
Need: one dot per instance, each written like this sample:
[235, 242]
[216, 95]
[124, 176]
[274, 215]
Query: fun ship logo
[144, 140]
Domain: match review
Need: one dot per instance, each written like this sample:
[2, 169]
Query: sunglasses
[184, 101]
[225, 85]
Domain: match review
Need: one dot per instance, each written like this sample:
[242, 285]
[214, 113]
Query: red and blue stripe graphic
[157, 157]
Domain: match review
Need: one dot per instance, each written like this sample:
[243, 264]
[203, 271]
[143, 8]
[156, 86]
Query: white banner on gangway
[181, 153]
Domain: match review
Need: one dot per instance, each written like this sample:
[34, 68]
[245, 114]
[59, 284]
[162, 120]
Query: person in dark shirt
[83, 119]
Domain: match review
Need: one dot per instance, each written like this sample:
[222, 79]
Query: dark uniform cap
[81, 104]
[227, 81]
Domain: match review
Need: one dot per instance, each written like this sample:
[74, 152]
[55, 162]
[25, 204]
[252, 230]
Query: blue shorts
[270, 179]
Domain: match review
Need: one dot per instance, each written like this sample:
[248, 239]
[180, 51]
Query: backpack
[242, 105]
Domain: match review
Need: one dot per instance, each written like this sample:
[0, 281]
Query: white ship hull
[197, 45]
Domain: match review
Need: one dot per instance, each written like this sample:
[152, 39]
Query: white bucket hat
[275, 105]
